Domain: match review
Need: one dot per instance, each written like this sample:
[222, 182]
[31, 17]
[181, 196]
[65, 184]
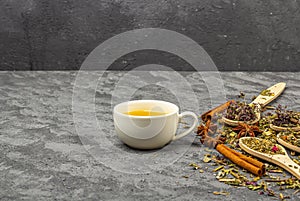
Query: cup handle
[176, 137]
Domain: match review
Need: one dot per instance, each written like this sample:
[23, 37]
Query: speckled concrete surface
[43, 158]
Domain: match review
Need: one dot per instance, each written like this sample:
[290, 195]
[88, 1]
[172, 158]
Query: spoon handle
[276, 89]
[288, 164]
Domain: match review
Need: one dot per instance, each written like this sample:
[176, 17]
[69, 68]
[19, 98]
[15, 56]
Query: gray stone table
[57, 139]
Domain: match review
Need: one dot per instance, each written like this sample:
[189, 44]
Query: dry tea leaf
[281, 196]
[206, 159]
[195, 166]
[218, 168]
[227, 180]
[267, 92]
[221, 193]
[221, 174]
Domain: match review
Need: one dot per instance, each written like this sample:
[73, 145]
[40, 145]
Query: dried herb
[206, 158]
[221, 193]
[218, 168]
[263, 146]
[285, 118]
[241, 95]
[266, 92]
[195, 166]
[291, 137]
[240, 111]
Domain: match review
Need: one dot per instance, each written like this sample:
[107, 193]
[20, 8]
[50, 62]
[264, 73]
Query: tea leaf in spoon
[263, 146]
[267, 92]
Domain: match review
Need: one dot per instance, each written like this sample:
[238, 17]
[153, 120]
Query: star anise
[245, 129]
[206, 129]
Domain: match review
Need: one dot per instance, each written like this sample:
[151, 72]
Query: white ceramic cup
[149, 132]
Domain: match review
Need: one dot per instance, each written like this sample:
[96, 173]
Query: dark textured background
[238, 35]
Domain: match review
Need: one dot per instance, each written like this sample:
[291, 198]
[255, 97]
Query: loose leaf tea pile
[285, 118]
[263, 146]
[240, 111]
[292, 137]
[267, 92]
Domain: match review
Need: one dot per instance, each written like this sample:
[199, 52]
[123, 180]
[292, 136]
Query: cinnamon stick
[208, 115]
[241, 160]
[248, 159]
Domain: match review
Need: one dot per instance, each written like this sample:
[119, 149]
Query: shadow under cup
[146, 131]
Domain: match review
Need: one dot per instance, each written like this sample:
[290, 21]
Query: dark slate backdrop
[256, 35]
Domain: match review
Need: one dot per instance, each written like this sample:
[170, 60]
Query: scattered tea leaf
[275, 171]
[281, 196]
[270, 107]
[256, 179]
[195, 166]
[218, 168]
[206, 159]
[241, 95]
[227, 179]
[221, 174]
[221, 193]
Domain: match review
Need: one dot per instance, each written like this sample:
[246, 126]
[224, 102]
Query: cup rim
[146, 117]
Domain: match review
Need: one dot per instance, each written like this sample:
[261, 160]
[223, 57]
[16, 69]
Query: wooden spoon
[279, 128]
[282, 160]
[260, 101]
[288, 145]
